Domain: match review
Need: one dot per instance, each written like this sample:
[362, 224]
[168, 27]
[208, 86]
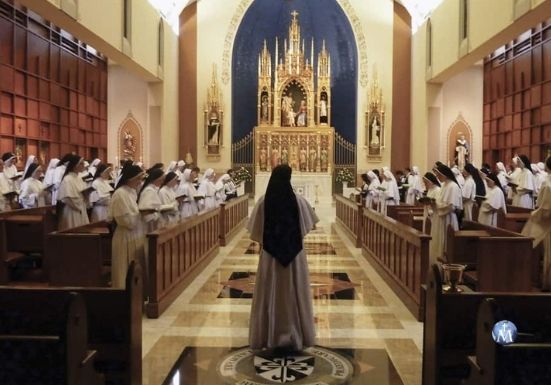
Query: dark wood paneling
[517, 84]
[42, 79]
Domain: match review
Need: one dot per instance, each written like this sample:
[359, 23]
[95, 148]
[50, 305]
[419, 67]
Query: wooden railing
[233, 215]
[348, 214]
[400, 253]
[174, 253]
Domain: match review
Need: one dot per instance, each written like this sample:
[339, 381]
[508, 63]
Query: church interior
[138, 139]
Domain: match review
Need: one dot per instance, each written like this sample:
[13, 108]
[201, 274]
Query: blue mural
[320, 19]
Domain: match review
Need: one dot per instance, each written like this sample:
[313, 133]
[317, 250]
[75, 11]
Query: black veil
[282, 236]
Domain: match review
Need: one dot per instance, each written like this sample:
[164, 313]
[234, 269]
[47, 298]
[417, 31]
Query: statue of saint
[313, 159]
[129, 147]
[461, 151]
[264, 108]
[214, 129]
[323, 109]
[275, 158]
[263, 159]
[324, 158]
[301, 116]
[375, 129]
[303, 159]
[284, 155]
[287, 113]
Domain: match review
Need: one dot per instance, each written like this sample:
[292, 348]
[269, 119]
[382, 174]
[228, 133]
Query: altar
[294, 117]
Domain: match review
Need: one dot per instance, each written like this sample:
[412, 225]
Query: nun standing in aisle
[10, 170]
[32, 189]
[128, 237]
[493, 202]
[73, 196]
[167, 194]
[448, 203]
[372, 197]
[415, 188]
[60, 169]
[101, 196]
[390, 194]
[186, 190]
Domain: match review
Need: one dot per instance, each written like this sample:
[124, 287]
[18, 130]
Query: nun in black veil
[282, 314]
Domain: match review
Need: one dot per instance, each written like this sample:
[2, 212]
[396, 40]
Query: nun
[128, 237]
[32, 189]
[468, 191]
[512, 181]
[73, 195]
[10, 170]
[94, 167]
[493, 202]
[539, 225]
[525, 186]
[187, 193]
[282, 314]
[448, 203]
[433, 189]
[373, 190]
[458, 176]
[390, 193]
[149, 201]
[220, 187]
[415, 188]
[167, 194]
[58, 176]
[502, 176]
[5, 188]
[208, 191]
[31, 159]
[100, 198]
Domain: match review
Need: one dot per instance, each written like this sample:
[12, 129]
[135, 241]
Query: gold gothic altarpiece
[294, 117]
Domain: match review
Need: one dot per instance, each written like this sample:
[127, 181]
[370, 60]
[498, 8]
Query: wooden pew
[410, 215]
[175, 255]
[450, 327]
[502, 259]
[80, 256]
[23, 232]
[399, 253]
[233, 216]
[514, 220]
[524, 361]
[114, 324]
[43, 338]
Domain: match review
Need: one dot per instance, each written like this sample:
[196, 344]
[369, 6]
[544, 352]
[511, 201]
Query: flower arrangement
[344, 175]
[242, 175]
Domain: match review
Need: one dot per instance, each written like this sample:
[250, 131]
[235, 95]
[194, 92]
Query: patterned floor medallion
[313, 366]
[324, 286]
[312, 248]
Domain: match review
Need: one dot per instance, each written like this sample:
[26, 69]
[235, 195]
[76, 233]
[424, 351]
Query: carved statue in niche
[313, 159]
[284, 155]
[375, 133]
[303, 159]
[301, 115]
[264, 107]
[323, 108]
[263, 159]
[375, 120]
[129, 146]
[275, 157]
[213, 129]
[324, 159]
[461, 151]
[287, 112]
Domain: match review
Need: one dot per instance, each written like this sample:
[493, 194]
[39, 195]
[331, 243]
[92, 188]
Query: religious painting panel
[294, 106]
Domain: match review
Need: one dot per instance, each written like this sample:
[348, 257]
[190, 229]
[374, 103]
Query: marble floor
[360, 323]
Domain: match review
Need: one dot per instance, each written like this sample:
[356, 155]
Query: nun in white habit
[5, 188]
[208, 190]
[282, 313]
[101, 196]
[186, 190]
[468, 192]
[32, 189]
[167, 194]
[512, 181]
[502, 176]
[433, 189]
[128, 237]
[10, 170]
[390, 194]
[495, 201]
[539, 225]
[73, 195]
[31, 159]
[94, 166]
[447, 203]
[58, 176]
[525, 184]
[415, 187]
[372, 198]
[149, 200]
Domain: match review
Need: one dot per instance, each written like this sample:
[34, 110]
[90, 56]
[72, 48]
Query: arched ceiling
[418, 9]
